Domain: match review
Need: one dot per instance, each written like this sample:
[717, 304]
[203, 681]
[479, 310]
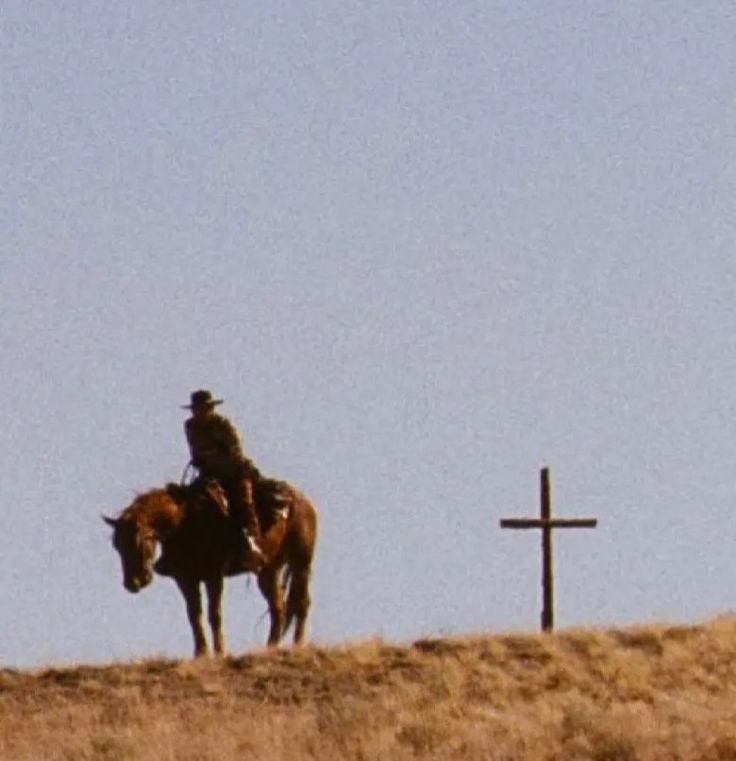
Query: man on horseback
[217, 454]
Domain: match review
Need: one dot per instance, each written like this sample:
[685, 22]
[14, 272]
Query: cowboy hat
[201, 398]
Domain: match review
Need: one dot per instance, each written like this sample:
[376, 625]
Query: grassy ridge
[661, 692]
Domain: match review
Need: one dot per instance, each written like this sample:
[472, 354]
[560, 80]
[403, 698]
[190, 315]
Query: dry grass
[645, 694]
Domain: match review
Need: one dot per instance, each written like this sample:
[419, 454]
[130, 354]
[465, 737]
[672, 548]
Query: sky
[421, 249]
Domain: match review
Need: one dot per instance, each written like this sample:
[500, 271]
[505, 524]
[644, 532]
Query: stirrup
[247, 557]
[255, 550]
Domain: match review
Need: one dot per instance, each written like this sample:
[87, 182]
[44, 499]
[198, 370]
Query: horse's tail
[296, 576]
[290, 601]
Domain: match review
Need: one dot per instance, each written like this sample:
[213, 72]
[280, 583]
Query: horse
[197, 533]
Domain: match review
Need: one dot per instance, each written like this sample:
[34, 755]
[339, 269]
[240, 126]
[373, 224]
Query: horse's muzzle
[136, 583]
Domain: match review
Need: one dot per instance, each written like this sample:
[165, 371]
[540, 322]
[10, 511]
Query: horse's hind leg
[214, 587]
[299, 602]
[269, 582]
[190, 589]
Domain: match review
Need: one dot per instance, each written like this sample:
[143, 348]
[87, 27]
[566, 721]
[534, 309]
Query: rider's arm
[196, 459]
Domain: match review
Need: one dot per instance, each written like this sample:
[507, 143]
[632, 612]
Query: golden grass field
[648, 693]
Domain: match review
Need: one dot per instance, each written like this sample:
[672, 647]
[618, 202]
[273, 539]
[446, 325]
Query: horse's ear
[110, 521]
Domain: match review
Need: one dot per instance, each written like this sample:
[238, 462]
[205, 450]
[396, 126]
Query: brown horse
[198, 537]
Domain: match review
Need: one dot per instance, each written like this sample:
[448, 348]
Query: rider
[217, 453]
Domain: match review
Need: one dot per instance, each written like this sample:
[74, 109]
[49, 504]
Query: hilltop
[644, 693]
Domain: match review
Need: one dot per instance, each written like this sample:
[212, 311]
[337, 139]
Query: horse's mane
[177, 492]
[149, 504]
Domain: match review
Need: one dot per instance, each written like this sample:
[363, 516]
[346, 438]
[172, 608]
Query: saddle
[202, 495]
[272, 498]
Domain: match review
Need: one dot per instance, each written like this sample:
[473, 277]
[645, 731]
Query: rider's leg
[242, 506]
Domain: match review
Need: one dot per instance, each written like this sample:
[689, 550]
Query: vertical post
[546, 515]
[547, 523]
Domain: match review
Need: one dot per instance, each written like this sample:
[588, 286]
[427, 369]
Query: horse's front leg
[190, 590]
[269, 583]
[214, 587]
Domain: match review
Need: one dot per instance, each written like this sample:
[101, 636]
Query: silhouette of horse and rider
[230, 520]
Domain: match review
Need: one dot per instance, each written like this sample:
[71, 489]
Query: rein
[186, 473]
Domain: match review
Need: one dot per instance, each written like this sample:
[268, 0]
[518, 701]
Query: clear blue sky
[421, 249]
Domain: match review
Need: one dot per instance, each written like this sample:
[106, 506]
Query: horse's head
[136, 545]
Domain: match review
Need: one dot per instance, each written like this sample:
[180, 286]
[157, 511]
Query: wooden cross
[547, 523]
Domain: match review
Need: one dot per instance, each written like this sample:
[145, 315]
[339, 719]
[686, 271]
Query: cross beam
[547, 523]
